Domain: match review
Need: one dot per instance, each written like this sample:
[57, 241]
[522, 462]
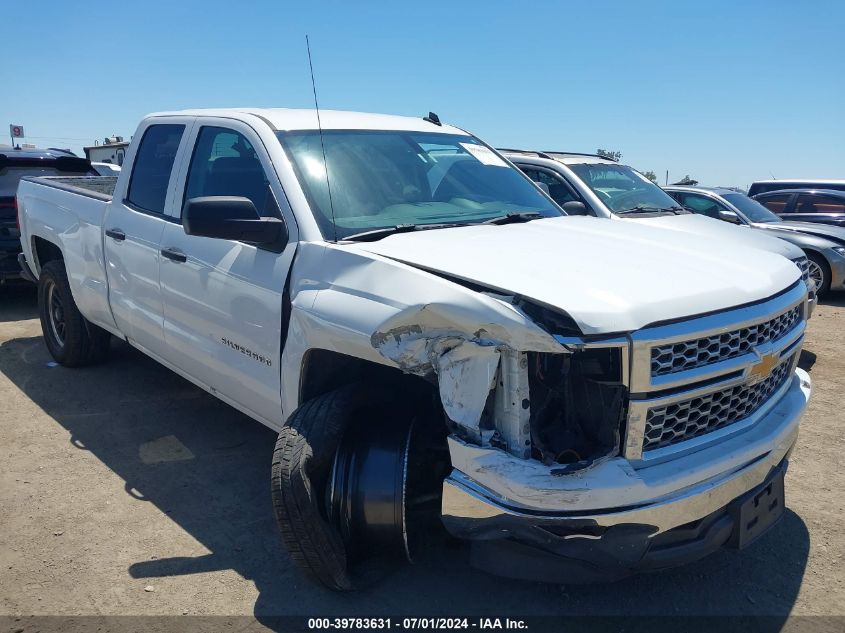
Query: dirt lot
[123, 478]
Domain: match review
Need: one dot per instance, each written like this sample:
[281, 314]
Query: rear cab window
[153, 166]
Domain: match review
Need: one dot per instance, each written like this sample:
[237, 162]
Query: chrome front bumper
[492, 495]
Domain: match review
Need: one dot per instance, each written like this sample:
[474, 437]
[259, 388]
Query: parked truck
[435, 341]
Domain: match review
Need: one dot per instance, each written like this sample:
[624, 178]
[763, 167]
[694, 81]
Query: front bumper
[607, 521]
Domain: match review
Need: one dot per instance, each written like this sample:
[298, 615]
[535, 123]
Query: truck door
[223, 299]
[133, 226]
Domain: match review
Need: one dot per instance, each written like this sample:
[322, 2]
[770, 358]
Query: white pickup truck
[435, 341]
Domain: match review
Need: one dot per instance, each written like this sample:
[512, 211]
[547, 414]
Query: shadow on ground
[222, 499]
[836, 299]
[18, 301]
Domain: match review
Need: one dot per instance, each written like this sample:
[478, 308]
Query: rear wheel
[819, 273]
[71, 339]
[345, 487]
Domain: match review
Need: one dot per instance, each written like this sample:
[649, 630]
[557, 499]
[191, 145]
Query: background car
[826, 206]
[106, 169]
[762, 186]
[589, 184]
[14, 165]
[824, 245]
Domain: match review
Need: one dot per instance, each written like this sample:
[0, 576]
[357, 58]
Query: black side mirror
[231, 218]
[574, 207]
[728, 216]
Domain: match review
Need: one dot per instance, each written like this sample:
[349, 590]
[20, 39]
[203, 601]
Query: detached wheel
[819, 273]
[71, 339]
[342, 485]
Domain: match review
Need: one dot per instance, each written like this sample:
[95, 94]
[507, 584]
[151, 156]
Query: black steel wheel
[354, 479]
[71, 339]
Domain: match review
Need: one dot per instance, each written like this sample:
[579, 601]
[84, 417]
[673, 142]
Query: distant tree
[609, 154]
[686, 180]
[650, 175]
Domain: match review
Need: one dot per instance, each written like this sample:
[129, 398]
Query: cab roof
[567, 158]
[289, 119]
[719, 191]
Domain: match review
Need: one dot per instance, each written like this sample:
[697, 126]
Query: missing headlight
[578, 406]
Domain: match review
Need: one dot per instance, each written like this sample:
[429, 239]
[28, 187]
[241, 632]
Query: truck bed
[99, 187]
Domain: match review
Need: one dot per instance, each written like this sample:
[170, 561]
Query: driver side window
[224, 163]
[702, 205]
[559, 191]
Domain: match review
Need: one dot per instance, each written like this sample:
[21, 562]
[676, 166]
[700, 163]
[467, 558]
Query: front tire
[71, 339]
[302, 464]
[356, 479]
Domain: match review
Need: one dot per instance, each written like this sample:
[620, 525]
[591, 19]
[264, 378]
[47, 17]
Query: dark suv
[764, 186]
[806, 205]
[14, 164]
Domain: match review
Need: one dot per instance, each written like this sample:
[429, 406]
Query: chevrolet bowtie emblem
[763, 369]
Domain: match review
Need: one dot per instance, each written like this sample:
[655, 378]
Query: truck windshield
[623, 189]
[752, 209]
[383, 179]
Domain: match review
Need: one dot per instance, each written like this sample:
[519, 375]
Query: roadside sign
[16, 131]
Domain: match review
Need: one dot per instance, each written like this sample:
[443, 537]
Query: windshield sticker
[484, 155]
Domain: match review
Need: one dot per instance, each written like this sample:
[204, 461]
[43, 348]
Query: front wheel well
[326, 370]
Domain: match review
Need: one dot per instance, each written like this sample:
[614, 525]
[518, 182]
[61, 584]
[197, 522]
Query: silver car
[824, 245]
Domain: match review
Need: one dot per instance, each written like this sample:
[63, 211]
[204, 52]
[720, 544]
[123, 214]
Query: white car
[106, 169]
[434, 341]
[598, 186]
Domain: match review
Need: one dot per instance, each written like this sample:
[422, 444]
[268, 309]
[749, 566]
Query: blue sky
[727, 92]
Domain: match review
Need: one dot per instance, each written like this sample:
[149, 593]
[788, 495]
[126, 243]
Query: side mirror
[728, 216]
[231, 218]
[575, 207]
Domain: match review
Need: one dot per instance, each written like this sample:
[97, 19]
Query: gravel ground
[126, 490]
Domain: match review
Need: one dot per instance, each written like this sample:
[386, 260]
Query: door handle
[174, 254]
[116, 234]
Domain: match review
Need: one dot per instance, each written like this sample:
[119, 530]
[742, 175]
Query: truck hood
[608, 276]
[722, 231]
[835, 234]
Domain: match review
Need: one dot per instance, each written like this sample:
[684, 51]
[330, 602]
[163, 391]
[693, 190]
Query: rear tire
[822, 276]
[71, 339]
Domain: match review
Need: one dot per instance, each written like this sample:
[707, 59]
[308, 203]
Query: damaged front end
[526, 387]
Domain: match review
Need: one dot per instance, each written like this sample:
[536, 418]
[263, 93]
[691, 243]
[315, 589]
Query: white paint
[466, 374]
[609, 276]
